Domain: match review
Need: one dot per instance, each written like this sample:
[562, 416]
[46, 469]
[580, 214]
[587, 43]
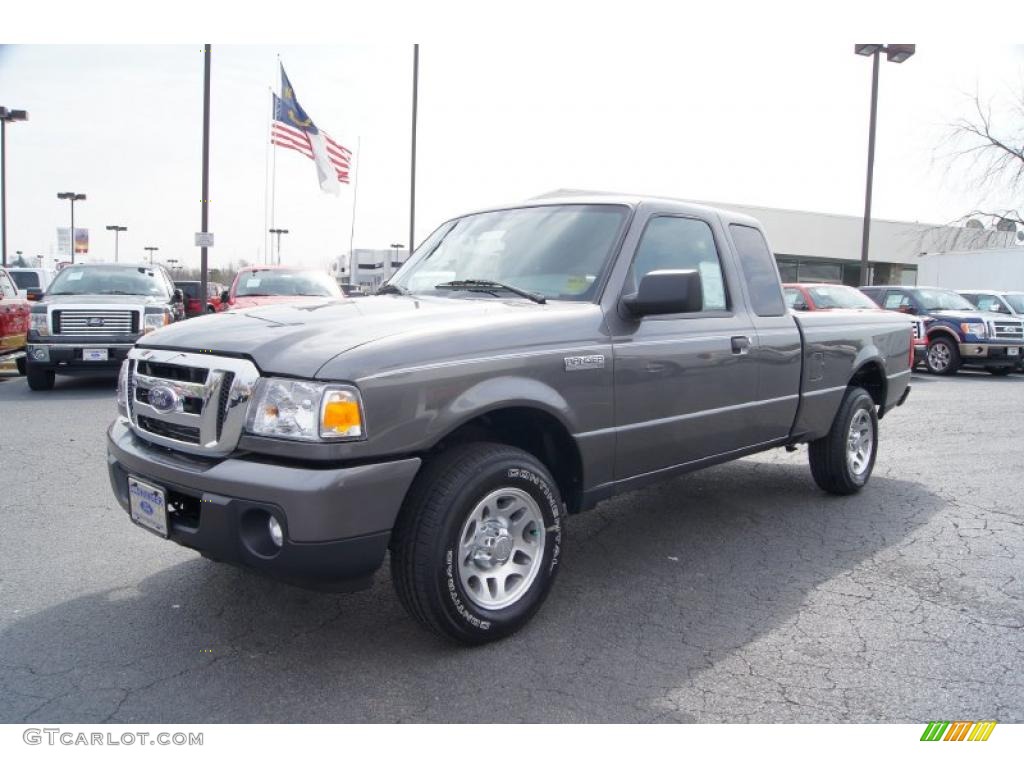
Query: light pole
[151, 249]
[117, 230]
[72, 196]
[279, 232]
[6, 116]
[174, 265]
[896, 53]
[387, 272]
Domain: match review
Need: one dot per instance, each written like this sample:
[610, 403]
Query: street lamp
[896, 53]
[279, 232]
[6, 116]
[387, 272]
[117, 230]
[151, 248]
[72, 196]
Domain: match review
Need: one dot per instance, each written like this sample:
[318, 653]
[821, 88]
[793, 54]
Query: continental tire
[478, 542]
[842, 460]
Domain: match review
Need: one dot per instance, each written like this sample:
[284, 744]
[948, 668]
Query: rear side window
[759, 270]
[672, 242]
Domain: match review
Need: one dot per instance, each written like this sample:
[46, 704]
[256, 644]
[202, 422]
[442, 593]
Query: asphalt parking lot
[737, 594]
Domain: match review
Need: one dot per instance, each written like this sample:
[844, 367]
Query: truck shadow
[655, 587]
[65, 388]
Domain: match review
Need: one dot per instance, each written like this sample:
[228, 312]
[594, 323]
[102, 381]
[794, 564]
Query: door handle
[740, 345]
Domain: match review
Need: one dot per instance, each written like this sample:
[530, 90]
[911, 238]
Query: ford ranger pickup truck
[525, 364]
[92, 314]
[950, 332]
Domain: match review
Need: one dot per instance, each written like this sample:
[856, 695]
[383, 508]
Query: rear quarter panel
[836, 345]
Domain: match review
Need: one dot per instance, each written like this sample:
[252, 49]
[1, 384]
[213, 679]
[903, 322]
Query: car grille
[95, 322]
[1006, 330]
[191, 402]
[918, 327]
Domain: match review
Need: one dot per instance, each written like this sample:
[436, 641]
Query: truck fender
[505, 392]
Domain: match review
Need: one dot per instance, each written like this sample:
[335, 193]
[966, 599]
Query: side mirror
[225, 297]
[35, 294]
[666, 292]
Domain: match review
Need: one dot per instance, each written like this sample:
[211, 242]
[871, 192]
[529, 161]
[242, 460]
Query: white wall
[1000, 269]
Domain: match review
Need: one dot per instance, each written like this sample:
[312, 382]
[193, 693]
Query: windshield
[25, 279]
[839, 297]
[932, 300]
[556, 251]
[134, 281]
[286, 282]
[1016, 302]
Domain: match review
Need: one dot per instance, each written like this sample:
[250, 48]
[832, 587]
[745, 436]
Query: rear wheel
[942, 357]
[478, 542]
[40, 379]
[842, 460]
[210, 310]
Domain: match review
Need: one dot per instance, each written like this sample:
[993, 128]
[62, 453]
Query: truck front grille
[95, 322]
[1007, 330]
[191, 402]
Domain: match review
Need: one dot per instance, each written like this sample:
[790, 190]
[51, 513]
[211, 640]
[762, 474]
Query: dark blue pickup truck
[951, 333]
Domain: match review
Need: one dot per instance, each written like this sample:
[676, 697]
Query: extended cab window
[759, 270]
[672, 242]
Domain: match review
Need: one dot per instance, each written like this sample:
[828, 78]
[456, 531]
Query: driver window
[897, 300]
[671, 242]
[990, 304]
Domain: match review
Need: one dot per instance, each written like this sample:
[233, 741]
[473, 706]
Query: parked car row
[952, 329]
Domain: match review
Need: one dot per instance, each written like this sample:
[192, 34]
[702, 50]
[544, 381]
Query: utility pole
[206, 171]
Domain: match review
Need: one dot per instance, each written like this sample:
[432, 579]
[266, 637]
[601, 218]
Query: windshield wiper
[489, 286]
[121, 293]
[392, 288]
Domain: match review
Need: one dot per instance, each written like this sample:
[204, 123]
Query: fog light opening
[276, 534]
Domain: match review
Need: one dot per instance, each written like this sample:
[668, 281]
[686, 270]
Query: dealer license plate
[94, 355]
[148, 505]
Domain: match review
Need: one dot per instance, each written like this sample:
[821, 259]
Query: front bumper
[67, 357]
[336, 520]
[992, 355]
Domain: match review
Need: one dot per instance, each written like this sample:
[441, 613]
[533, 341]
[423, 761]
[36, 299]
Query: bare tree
[988, 150]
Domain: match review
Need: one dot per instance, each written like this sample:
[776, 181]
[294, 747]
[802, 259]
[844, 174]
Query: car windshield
[108, 279]
[555, 251]
[839, 297]
[932, 300]
[1016, 302]
[25, 279]
[286, 282]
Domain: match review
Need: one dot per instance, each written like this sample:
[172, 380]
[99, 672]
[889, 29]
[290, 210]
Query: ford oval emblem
[96, 322]
[163, 399]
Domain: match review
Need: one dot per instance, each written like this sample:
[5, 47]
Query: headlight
[974, 329]
[306, 410]
[39, 323]
[122, 389]
[153, 321]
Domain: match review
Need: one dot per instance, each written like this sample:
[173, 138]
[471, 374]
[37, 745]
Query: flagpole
[266, 175]
[412, 175]
[203, 263]
[355, 193]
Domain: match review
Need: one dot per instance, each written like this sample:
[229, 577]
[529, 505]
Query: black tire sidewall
[859, 398]
[465, 617]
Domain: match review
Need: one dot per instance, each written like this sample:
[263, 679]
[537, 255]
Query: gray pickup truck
[526, 363]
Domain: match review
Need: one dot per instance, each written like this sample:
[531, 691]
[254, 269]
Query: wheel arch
[870, 376]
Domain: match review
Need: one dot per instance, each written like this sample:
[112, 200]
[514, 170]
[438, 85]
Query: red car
[14, 318]
[193, 306]
[256, 286]
[817, 297]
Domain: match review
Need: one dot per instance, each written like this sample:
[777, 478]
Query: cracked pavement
[736, 594]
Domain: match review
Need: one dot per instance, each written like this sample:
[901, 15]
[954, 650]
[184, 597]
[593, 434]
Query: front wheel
[842, 460]
[40, 379]
[22, 363]
[211, 310]
[942, 357]
[478, 542]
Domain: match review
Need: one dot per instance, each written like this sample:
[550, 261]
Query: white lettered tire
[478, 542]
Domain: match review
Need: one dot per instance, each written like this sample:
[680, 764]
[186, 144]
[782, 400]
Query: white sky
[500, 120]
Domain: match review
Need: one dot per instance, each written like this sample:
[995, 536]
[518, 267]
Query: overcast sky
[499, 121]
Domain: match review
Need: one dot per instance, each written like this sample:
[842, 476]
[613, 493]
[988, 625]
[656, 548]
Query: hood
[95, 299]
[967, 315]
[247, 302]
[298, 339]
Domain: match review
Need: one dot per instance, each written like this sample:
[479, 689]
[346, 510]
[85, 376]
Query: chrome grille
[1006, 330]
[918, 327]
[95, 322]
[191, 402]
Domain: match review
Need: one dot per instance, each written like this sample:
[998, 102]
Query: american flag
[283, 135]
